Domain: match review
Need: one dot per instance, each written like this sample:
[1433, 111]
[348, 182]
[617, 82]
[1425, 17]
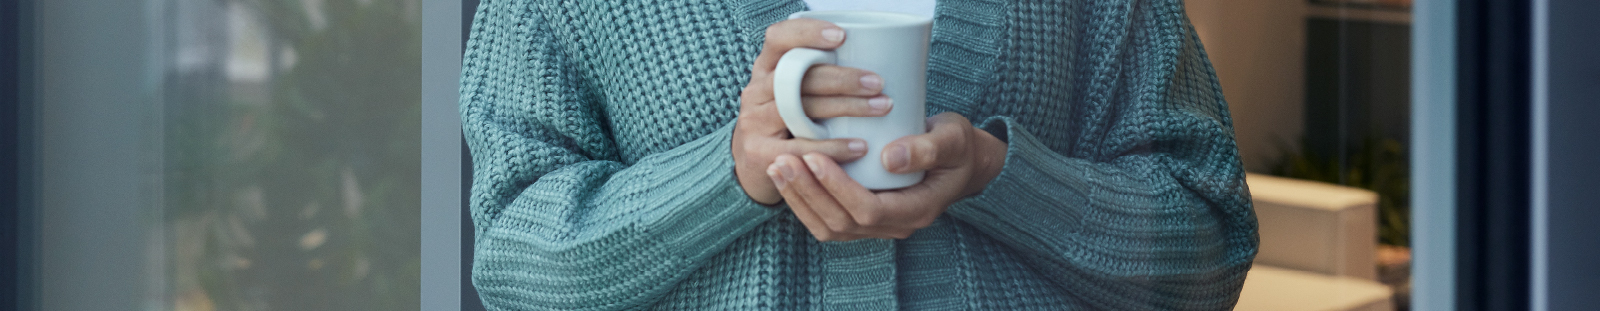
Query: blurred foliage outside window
[1376, 164]
[292, 154]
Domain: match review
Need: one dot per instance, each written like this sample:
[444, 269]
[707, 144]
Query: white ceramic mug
[892, 45]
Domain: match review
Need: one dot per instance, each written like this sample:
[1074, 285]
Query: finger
[942, 146]
[846, 106]
[758, 92]
[781, 173]
[908, 206]
[837, 80]
[842, 149]
[875, 215]
[762, 120]
[857, 201]
[800, 32]
[805, 184]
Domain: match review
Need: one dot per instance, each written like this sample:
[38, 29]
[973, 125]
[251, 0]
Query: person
[627, 155]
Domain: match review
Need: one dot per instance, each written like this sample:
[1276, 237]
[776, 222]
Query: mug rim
[885, 19]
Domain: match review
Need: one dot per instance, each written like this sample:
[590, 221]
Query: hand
[960, 160]
[827, 92]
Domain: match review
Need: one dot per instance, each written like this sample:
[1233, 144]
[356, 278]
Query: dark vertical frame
[1571, 161]
[1492, 155]
[469, 293]
[14, 207]
[8, 153]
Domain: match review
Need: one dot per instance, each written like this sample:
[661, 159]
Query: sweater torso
[655, 75]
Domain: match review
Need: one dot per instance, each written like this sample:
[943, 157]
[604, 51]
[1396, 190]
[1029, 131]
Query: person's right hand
[826, 91]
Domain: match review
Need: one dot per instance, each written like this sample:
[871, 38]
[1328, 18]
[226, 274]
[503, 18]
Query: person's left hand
[960, 161]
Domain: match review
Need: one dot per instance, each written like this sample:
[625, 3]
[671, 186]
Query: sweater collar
[963, 56]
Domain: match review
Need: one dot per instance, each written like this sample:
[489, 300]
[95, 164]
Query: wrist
[988, 160]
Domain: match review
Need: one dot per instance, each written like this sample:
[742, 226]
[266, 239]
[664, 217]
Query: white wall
[1258, 48]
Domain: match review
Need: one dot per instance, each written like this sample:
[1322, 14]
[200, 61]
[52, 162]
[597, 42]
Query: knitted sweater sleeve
[561, 222]
[1142, 203]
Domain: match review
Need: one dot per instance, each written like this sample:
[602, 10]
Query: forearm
[1128, 224]
[598, 235]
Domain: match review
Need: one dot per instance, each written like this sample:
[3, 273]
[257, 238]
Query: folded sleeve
[560, 221]
[1145, 205]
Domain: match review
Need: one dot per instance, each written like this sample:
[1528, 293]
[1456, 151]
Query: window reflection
[291, 154]
[1320, 95]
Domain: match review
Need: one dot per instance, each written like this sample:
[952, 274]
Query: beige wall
[1258, 49]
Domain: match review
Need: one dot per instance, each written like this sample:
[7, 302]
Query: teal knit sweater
[600, 134]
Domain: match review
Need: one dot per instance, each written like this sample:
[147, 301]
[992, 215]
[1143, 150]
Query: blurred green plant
[308, 200]
[1377, 164]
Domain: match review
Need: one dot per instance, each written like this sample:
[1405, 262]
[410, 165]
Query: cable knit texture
[600, 134]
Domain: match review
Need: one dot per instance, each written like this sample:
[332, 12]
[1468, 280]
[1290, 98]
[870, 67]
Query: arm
[1135, 201]
[560, 222]
[1146, 210]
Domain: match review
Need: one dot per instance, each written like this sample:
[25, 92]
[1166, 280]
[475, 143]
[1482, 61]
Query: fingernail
[871, 82]
[832, 35]
[896, 157]
[811, 162]
[880, 104]
[857, 146]
[780, 173]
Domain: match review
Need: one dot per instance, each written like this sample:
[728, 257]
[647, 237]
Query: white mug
[892, 45]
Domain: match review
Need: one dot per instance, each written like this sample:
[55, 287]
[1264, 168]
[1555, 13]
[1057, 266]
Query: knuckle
[957, 118]
[760, 76]
[869, 219]
[751, 149]
[744, 125]
[752, 88]
[750, 96]
[774, 29]
[749, 114]
[925, 151]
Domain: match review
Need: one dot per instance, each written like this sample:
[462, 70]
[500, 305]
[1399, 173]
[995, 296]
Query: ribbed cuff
[718, 210]
[1015, 201]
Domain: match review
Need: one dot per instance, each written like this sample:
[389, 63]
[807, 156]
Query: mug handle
[786, 80]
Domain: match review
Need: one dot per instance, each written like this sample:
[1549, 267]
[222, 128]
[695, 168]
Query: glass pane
[1320, 92]
[291, 154]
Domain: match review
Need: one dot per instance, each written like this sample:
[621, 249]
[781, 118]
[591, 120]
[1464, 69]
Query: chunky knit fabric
[600, 134]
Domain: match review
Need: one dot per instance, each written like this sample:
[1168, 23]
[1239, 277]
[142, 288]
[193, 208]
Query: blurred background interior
[1320, 96]
[267, 154]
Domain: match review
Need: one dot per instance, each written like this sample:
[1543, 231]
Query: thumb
[941, 147]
